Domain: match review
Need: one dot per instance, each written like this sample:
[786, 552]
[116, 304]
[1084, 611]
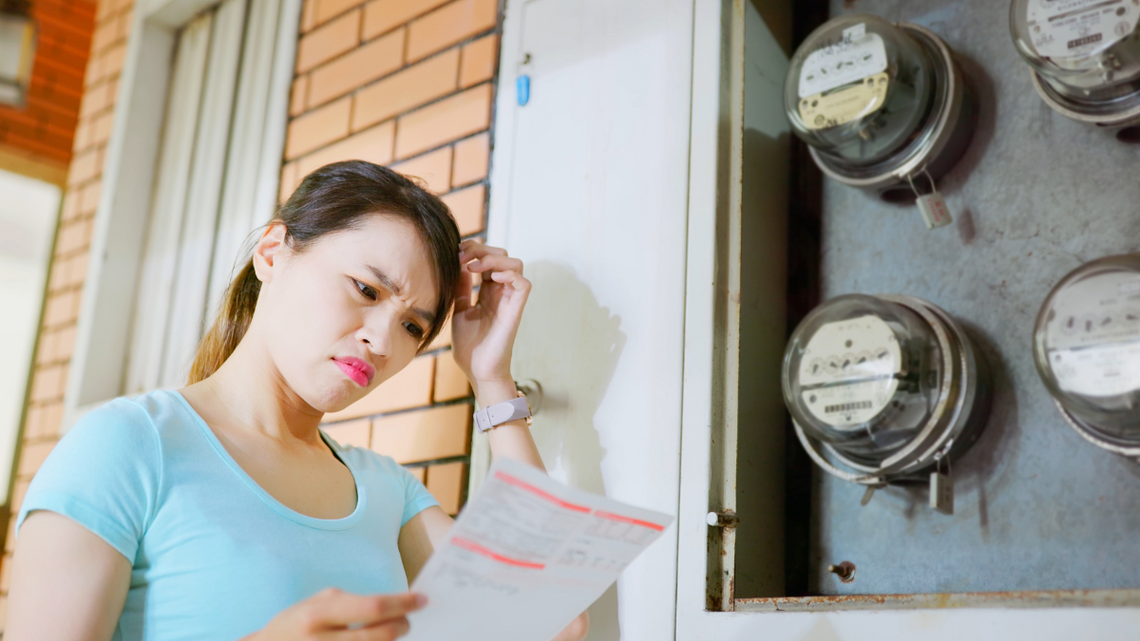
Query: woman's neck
[248, 393]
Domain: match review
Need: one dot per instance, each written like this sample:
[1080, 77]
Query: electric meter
[1085, 57]
[1087, 347]
[880, 105]
[885, 389]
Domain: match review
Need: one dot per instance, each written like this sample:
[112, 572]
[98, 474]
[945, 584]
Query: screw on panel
[726, 519]
[845, 571]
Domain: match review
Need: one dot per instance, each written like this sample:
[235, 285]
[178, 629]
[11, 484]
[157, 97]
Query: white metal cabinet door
[589, 188]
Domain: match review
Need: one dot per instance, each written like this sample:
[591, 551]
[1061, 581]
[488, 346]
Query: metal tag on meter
[934, 211]
[941, 492]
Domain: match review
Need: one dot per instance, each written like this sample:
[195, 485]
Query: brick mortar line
[455, 190]
[393, 120]
[429, 150]
[458, 45]
[40, 440]
[482, 181]
[96, 53]
[466, 400]
[479, 234]
[465, 458]
[361, 6]
[67, 290]
[432, 150]
[89, 85]
[72, 254]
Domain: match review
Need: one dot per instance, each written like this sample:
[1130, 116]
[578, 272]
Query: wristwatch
[491, 417]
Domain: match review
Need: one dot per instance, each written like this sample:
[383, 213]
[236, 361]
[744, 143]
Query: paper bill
[526, 556]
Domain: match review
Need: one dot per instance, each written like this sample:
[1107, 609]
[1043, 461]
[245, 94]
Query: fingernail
[474, 263]
[421, 600]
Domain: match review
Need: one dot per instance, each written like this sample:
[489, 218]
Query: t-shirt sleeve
[104, 474]
[416, 496]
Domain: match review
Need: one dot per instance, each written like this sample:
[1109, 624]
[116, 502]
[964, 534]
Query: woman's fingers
[388, 631]
[334, 608]
[489, 264]
[464, 292]
[470, 249]
[515, 280]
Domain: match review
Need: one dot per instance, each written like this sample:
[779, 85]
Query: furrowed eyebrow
[390, 285]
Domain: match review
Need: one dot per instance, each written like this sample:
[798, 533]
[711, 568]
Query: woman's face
[348, 312]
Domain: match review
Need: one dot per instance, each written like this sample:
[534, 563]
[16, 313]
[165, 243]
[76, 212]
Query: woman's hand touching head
[484, 332]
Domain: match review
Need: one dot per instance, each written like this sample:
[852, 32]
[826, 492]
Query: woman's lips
[356, 369]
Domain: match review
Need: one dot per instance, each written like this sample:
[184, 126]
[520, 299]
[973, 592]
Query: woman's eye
[365, 290]
[414, 330]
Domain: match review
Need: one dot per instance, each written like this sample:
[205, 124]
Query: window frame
[100, 359]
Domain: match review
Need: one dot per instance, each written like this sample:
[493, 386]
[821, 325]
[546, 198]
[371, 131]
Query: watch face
[862, 375]
[859, 89]
[1087, 346]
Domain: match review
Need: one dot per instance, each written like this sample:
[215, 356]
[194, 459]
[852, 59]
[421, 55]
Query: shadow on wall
[571, 345]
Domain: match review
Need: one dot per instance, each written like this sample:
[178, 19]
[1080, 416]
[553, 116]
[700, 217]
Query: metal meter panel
[1035, 196]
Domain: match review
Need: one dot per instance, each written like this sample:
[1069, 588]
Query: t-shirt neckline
[279, 507]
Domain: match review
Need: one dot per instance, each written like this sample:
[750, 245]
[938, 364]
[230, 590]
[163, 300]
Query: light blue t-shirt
[213, 555]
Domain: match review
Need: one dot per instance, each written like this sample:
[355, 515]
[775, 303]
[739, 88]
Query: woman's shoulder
[105, 473]
[131, 427]
[138, 415]
[122, 417]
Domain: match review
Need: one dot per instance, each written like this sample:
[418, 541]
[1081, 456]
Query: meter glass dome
[858, 89]
[1087, 349]
[1086, 53]
[862, 375]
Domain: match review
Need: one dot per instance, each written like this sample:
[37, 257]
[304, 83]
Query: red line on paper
[626, 519]
[472, 546]
[530, 488]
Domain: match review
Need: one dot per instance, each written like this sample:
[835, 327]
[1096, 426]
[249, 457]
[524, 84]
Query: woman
[220, 510]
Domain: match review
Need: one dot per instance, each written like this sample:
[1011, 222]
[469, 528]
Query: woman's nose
[377, 333]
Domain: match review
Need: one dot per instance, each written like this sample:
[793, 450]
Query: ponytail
[231, 324]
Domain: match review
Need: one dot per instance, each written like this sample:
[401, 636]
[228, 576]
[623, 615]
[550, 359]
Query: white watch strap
[500, 413]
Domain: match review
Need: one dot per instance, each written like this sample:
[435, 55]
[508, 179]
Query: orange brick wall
[69, 264]
[409, 84]
[42, 130]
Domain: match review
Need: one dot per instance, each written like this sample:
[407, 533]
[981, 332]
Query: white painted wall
[589, 188]
[29, 210]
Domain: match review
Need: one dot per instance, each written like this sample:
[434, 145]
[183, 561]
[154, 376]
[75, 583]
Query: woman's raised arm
[67, 583]
[483, 337]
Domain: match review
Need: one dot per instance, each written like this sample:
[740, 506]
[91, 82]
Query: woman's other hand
[328, 614]
[577, 630]
[483, 334]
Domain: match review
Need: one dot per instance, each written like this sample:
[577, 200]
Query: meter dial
[1085, 55]
[884, 386]
[1087, 349]
[877, 102]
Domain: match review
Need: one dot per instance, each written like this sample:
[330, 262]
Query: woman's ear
[269, 250]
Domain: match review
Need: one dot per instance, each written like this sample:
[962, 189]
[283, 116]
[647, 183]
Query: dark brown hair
[335, 198]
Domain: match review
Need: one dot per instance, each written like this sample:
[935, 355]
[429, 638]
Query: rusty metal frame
[1021, 599]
